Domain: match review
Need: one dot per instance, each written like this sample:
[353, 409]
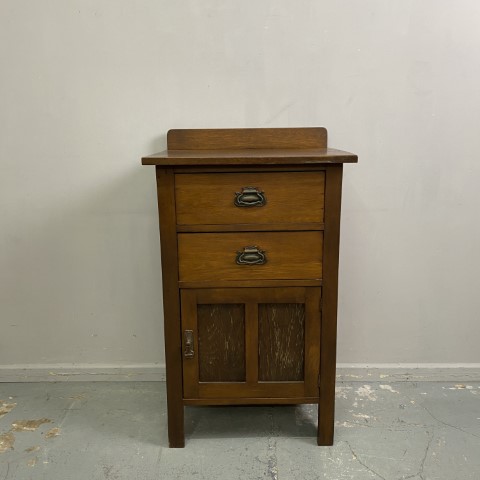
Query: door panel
[281, 346]
[221, 342]
[251, 342]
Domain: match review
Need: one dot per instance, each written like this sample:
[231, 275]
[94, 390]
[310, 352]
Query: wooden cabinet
[249, 230]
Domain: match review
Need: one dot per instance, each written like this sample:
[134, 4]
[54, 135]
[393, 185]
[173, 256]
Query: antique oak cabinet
[249, 231]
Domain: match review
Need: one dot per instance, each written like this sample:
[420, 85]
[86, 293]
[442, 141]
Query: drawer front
[281, 197]
[279, 255]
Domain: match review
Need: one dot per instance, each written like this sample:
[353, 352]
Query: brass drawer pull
[251, 256]
[188, 351]
[250, 197]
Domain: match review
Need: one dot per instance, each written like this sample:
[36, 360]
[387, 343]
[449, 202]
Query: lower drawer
[227, 256]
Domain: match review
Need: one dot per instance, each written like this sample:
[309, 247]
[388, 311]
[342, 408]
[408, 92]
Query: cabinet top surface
[274, 156]
[248, 146]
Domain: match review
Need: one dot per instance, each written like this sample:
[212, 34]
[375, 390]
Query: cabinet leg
[176, 431]
[326, 420]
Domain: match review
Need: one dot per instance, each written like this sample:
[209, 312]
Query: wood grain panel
[252, 283]
[251, 295]
[221, 342]
[275, 157]
[188, 309]
[312, 167]
[250, 401]
[208, 199]
[261, 389]
[229, 138]
[251, 227]
[211, 257]
[281, 346]
[326, 407]
[171, 307]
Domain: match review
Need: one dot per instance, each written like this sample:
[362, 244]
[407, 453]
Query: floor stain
[28, 425]
[32, 449]
[110, 473]
[6, 408]
[80, 396]
[361, 415]
[54, 432]
[32, 462]
[388, 388]
[342, 392]
[6, 442]
[366, 392]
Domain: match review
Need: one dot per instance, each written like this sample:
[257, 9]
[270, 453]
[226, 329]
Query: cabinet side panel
[328, 349]
[173, 344]
[221, 342]
[281, 335]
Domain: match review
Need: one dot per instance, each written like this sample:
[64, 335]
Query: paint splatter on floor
[54, 432]
[6, 408]
[6, 442]
[28, 425]
[388, 388]
[36, 448]
[342, 392]
[366, 392]
[361, 415]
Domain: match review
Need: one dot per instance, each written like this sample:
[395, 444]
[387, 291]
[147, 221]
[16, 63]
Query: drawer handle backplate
[250, 197]
[251, 256]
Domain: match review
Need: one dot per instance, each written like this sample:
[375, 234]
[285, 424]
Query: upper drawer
[283, 197]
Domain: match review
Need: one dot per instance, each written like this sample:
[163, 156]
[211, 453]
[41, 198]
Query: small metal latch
[188, 351]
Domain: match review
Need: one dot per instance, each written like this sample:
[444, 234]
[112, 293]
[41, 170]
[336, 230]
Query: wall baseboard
[408, 372]
[155, 372]
[83, 372]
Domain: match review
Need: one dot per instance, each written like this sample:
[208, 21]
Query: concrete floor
[116, 431]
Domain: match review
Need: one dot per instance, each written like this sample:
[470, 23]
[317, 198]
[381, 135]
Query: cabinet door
[251, 343]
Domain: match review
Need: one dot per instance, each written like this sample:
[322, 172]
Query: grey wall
[88, 87]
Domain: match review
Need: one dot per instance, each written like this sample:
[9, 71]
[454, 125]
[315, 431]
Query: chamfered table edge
[253, 156]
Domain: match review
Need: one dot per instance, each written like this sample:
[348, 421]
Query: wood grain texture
[171, 306]
[251, 227]
[189, 322]
[312, 167]
[235, 138]
[221, 342]
[250, 401]
[251, 342]
[295, 197]
[240, 390]
[251, 295]
[236, 158]
[281, 346]
[252, 283]
[326, 407]
[313, 339]
[211, 257]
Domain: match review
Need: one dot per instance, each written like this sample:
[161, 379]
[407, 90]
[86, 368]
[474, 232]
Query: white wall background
[88, 87]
